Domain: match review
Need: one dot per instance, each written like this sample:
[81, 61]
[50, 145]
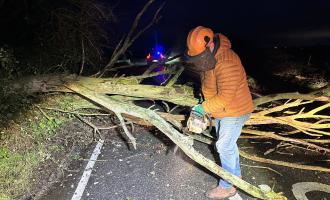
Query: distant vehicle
[158, 57]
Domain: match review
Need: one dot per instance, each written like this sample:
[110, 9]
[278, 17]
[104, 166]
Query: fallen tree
[184, 142]
[116, 95]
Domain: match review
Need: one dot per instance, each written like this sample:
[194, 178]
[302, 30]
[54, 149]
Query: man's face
[211, 46]
[204, 61]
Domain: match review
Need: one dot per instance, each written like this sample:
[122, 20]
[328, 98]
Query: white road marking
[87, 173]
[235, 197]
[300, 189]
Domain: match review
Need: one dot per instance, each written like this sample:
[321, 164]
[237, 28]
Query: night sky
[246, 23]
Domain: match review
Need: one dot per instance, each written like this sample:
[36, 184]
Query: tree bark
[177, 94]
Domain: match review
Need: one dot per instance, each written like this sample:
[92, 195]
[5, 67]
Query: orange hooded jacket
[225, 87]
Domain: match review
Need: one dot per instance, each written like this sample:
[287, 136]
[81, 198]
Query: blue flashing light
[156, 54]
[158, 50]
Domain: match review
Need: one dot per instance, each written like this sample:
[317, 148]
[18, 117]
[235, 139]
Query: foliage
[8, 62]
[55, 36]
[15, 170]
[26, 144]
[78, 35]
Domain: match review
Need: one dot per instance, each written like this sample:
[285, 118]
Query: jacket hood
[224, 43]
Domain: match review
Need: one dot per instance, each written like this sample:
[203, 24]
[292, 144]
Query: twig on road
[262, 167]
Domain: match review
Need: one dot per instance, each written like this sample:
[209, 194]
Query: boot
[221, 193]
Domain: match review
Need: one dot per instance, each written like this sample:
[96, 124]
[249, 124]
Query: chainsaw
[197, 123]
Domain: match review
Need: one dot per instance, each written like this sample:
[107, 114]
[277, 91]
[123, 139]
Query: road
[154, 171]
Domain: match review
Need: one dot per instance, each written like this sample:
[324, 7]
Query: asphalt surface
[153, 171]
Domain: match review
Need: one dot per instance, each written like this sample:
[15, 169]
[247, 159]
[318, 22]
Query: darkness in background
[246, 23]
[250, 25]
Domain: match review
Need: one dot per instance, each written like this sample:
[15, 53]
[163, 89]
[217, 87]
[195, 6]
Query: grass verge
[28, 138]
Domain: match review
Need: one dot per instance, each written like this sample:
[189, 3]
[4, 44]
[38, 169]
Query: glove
[199, 109]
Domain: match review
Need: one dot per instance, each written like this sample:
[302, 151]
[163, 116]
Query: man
[227, 97]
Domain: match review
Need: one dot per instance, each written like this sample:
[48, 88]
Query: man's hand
[199, 109]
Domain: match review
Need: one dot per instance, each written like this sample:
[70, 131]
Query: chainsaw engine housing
[197, 123]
